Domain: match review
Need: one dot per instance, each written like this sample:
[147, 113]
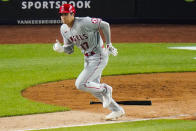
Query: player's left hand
[58, 47]
[111, 49]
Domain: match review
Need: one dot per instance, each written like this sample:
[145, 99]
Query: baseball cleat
[115, 115]
[107, 96]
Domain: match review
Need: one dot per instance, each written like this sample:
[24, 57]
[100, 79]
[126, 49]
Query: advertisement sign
[170, 9]
[46, 11]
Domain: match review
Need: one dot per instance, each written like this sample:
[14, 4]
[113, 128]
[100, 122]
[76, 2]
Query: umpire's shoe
[107, 96]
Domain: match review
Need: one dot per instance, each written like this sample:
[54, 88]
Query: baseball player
[83, 32]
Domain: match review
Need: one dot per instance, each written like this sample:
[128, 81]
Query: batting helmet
[67, 8]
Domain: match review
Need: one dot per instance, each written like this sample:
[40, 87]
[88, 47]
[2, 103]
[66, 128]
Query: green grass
[189, 1]
[5, 0]
[22, 66]
[150, 125]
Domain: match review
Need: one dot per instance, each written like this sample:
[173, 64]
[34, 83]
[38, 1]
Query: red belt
[89, 54]
[92, 53]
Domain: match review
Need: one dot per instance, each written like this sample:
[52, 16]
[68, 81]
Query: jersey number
[84, 45]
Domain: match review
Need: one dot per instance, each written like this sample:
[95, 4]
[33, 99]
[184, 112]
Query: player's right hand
[111, 49]
[58, 47]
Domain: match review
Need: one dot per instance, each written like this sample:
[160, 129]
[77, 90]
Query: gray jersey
[84, 34]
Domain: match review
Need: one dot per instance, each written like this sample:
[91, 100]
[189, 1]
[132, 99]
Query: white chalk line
[107, 122]
[184, 48]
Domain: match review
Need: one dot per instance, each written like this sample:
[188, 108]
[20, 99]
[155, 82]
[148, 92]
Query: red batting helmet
[67, 8]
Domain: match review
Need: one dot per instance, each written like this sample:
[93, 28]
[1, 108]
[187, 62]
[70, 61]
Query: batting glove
[111, 49]
[58, 47]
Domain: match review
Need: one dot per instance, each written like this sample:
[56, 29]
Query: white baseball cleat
[115, 115]
[107, 96]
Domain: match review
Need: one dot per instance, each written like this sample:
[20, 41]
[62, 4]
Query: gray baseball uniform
[85, 35]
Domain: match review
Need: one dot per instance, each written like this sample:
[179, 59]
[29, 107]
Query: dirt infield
[172, 94]
[120, 33]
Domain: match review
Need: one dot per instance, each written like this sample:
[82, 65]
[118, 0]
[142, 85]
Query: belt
[90, 53]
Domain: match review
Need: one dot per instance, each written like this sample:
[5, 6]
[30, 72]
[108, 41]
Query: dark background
[114, 11]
